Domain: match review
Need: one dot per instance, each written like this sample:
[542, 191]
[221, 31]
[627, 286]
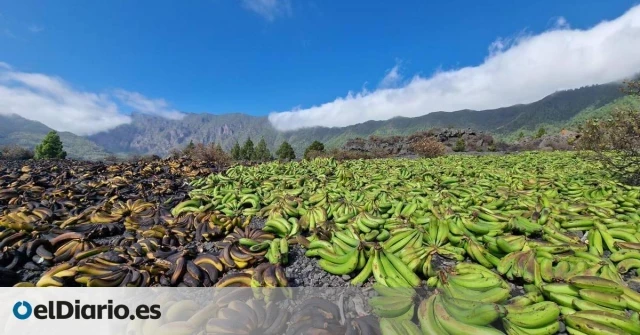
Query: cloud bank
[392, 78]
[269, 9]
[142, 104]
[55, 103]
[521, 70]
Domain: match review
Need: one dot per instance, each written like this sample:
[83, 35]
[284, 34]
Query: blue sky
[263, 56]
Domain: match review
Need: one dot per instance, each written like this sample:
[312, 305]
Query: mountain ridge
[148, 134]
[15, 129]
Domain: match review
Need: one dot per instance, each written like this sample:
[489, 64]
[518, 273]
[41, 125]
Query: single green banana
[604, 299]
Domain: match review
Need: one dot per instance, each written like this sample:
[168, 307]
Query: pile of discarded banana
[465, 307]
[465, 303]
[146, 262]
[55, 215]
[237, 311]
[534, 219]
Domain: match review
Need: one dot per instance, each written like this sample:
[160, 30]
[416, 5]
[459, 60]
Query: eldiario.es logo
[63, 310]
[26, 310]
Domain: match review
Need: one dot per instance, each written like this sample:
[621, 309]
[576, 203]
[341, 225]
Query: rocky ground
[476, 142]
[401, 146]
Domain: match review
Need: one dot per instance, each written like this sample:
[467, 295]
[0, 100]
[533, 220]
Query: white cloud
[392, 78]
[561, 23]
[519, 71]
[55, 103]
[142, 104]
[269, 9]
[34, 28]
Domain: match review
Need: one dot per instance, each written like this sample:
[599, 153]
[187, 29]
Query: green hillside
[26, 133]
[576, 120]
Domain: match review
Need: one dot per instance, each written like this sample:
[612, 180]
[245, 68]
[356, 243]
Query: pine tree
[262, 152]
[520, 136]
[219, 148]
[248, 152]
[51, 147]
[285, 151]
[236, 152]
[315, 146]
[459, 146]
[541, 132]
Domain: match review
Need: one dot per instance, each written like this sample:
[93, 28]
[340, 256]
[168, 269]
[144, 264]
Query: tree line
[261, 153]
[52, 147]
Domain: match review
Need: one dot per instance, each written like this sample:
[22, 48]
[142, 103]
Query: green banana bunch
[458, 229]
[481, 255]
[600, 322]
[192, 205]
[485, 223]
[473, 312]
[610, 272]
[580, 264]
[398, 327]
[437, 233]
[342, 212]
[523, 225]
[390, 270]
[312, 218]
[434, 318]
[473, 282]
[366, 222]
[341, 264]
[554, 235]
[592, 293]
[282, 227]
[403, 237]
[343, 255]
[278, 252]
[393, 302]
[538, 318]
[318, 199]
[521, 264]
[396, 307]
[527, 299]
[510, 243]
[419, 260]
